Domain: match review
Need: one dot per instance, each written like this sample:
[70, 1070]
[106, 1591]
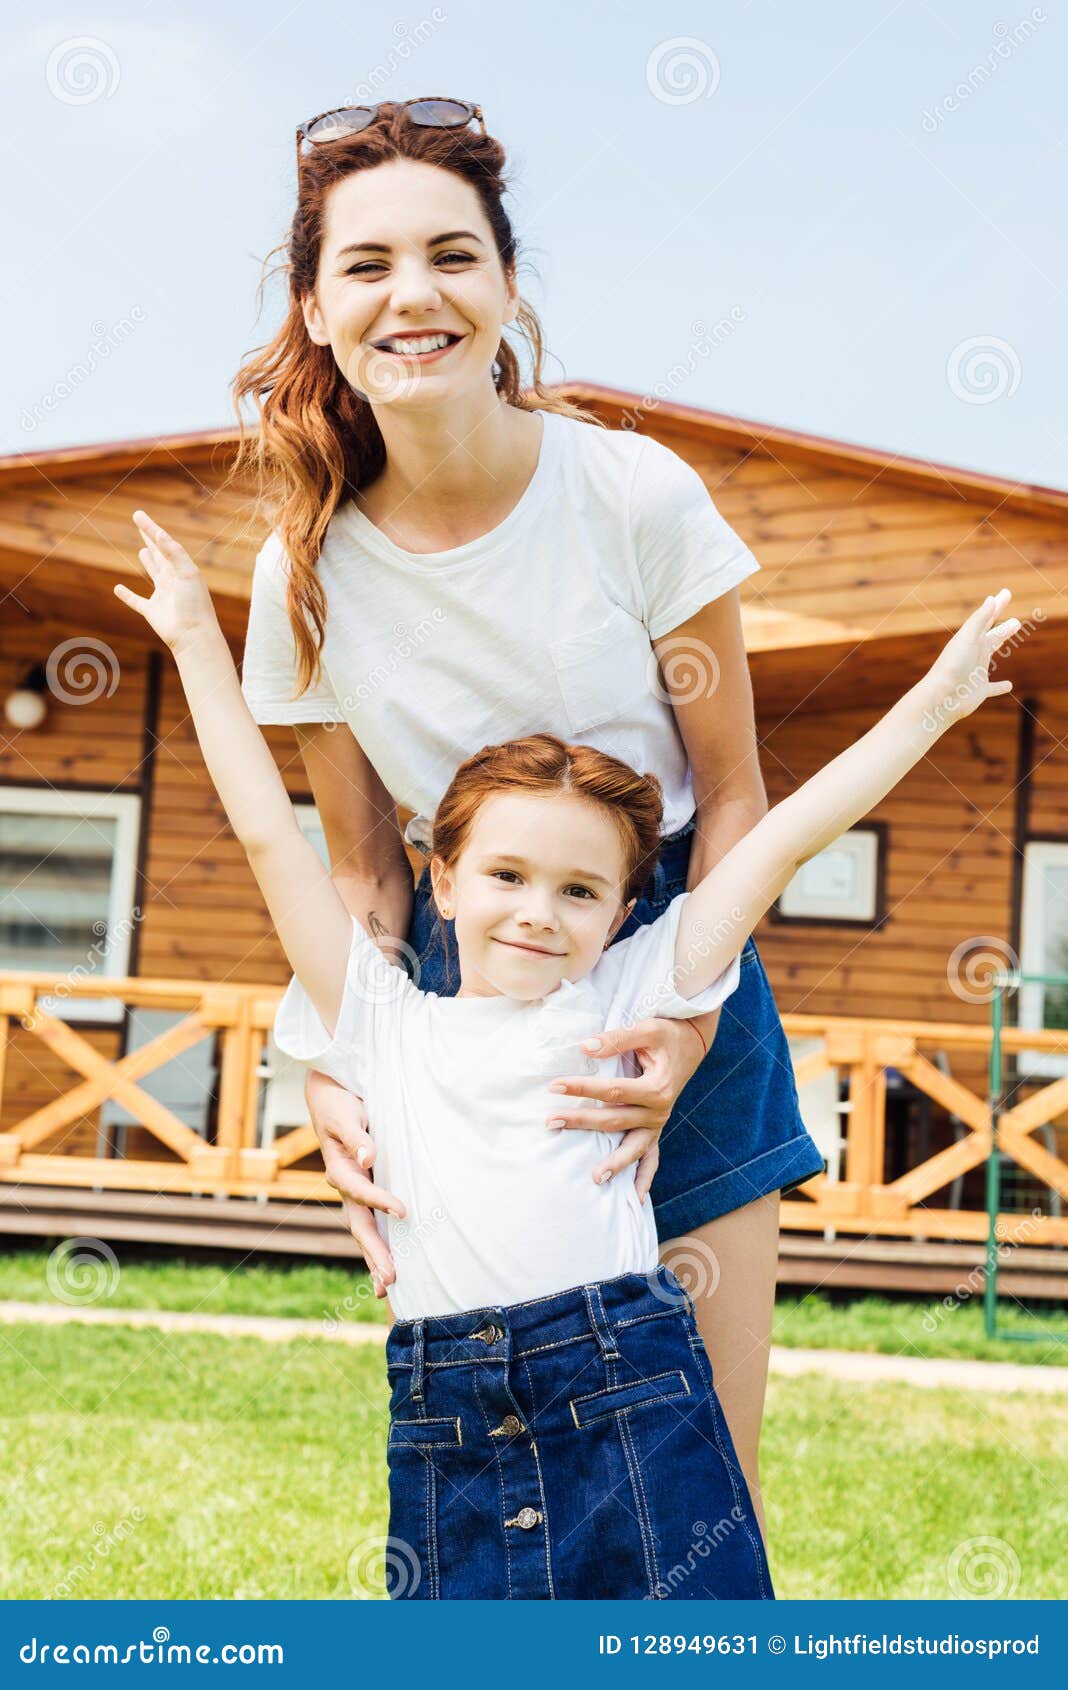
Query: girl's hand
[180, 607]
[639, 1108]
[959, 679]
[340, 1122]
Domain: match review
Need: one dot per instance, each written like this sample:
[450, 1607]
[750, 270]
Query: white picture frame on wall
[842, 885]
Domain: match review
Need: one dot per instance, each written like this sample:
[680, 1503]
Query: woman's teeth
[412, 346]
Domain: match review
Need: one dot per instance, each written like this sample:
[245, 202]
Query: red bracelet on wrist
[688, 1023]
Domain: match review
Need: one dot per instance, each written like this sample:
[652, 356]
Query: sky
[847, 219]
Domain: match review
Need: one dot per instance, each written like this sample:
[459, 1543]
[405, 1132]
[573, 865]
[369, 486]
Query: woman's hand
[669, 1053]
[180, 607]
[340, 1122]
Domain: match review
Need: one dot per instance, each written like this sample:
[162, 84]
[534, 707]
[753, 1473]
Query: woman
[456, 562]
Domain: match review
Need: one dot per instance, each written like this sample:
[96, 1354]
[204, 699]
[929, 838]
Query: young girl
[554, 1430]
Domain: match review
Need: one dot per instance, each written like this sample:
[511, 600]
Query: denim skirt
[736, 1131]
[565, 1448]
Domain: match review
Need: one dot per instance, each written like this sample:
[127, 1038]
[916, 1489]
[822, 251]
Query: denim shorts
[736, 1131]
[565, 1448]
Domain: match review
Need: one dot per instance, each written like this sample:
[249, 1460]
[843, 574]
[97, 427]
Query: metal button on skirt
[568, 1447]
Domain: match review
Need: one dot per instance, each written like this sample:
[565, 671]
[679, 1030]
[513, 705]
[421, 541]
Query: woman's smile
[421, 348]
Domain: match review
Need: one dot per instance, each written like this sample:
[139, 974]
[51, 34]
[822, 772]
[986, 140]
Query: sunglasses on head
[429, 111]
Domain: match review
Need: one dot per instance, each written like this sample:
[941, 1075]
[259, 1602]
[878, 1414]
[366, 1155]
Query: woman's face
[408, 253]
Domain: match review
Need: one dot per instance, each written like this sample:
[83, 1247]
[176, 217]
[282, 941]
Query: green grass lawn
[147, 1464]
[313, 1291]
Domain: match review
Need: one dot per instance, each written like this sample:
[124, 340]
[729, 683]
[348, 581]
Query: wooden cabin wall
[949, 868]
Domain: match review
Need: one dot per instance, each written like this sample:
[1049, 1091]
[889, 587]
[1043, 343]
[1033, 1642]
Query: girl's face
[408, 252]
[535, 893]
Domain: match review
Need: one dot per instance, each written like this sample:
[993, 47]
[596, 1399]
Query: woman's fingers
[347, 1180]
[375, 1251]
[632, 1148]
[645, 1171]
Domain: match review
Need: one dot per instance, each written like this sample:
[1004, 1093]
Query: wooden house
[139, 1094]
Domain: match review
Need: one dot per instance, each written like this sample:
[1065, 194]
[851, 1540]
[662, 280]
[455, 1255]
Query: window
[843, 884]
[1044, 950]
[67, 867]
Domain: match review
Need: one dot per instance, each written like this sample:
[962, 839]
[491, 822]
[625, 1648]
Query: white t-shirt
[543, 625]
[499, 1208]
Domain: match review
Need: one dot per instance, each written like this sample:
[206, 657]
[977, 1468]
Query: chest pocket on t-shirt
[603, 669]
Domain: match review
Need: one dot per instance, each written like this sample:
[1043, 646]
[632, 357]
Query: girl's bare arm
[309, 915]
[722, 910]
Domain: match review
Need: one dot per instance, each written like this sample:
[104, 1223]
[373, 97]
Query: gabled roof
[657, 415]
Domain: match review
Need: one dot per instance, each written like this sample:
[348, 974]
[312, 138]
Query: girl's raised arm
[308, 913]
[723, 908]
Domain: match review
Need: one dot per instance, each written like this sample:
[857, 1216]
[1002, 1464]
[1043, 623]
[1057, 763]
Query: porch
[221, 1153]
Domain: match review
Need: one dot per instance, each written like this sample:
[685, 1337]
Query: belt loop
[418, 1394]
[599, 1322]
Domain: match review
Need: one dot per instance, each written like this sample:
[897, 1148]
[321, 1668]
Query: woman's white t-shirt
[543, 625]
[499, 1208]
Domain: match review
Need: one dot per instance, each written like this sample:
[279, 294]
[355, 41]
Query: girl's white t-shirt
[543, 625]
[499, 1208]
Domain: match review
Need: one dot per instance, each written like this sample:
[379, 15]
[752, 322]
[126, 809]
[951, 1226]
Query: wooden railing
[862, 1200]
[858, 1051]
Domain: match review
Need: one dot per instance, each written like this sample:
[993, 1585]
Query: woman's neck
[450, 478]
